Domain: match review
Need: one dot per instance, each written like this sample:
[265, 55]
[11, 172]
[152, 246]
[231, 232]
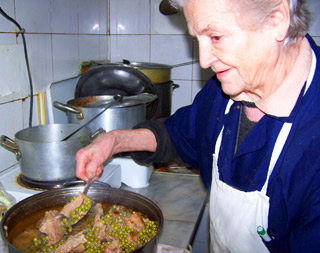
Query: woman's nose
[206, 53]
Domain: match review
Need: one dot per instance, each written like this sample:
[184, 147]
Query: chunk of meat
[98, 209]
[51, 226]
[70, 207]
[116, 210]
[114, 246]
[135, 221]
[133, 237]
[72, 243]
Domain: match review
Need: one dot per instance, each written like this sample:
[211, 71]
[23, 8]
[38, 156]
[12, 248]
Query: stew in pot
[84, 226]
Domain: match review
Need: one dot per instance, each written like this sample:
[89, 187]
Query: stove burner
[41, 185]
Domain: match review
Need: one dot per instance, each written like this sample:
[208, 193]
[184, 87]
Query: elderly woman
[252, 131]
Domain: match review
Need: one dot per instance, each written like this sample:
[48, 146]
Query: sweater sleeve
[165, 151]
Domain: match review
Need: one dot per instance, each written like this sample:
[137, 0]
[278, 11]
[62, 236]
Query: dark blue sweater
[294, 186]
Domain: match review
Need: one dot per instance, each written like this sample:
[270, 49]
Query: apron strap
[281, 140]
[218, 142]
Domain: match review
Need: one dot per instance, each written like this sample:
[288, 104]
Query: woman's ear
[280, 20]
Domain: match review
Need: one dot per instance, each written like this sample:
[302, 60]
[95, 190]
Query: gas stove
[12, 183]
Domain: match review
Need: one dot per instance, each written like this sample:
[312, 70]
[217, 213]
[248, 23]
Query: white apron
[234, 214]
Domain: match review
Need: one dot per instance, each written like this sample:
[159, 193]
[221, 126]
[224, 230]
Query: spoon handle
[86, 187]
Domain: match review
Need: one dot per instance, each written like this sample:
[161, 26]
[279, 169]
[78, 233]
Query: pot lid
[112, 79]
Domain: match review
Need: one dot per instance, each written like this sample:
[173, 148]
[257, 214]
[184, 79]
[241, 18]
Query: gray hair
[299, 14]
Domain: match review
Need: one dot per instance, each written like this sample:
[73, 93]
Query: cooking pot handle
[174, 86]
[69, 108]
[10, 145]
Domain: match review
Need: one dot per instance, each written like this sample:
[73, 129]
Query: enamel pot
[22, 214]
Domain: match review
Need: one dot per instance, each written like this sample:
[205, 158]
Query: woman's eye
[215, 38]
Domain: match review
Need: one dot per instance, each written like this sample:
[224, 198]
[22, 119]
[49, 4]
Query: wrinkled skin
[90, 159]
[243, 58]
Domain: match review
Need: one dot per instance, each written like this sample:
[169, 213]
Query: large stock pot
[21, 214]
[123, 115]
[41, 153]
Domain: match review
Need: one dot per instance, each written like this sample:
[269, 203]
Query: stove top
[19, 189]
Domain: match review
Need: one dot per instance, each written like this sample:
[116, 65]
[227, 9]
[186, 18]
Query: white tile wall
[30, 18]
[13, 73]
[129, 17]
[65, 18]
[182, 95]
[12, 114]
[173, 49]
[130, 47]
[40, 54]
[6, 26]
[314, 7]
[89, 16]
[161, 24]
[60, 34]
[65, 50]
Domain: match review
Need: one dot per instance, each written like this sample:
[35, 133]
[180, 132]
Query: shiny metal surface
[44, 157]
[122, 115]
[116, 99]
[113, 118]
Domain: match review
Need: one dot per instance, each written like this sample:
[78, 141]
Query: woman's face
[242, 58]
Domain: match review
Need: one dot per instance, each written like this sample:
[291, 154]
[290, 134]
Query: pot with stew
[105, 219]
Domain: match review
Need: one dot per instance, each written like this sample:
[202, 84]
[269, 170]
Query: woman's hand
[90, 159]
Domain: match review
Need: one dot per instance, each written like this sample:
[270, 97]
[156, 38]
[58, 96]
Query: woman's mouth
[222, 74]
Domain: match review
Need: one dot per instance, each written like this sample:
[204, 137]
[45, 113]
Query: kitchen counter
[182, 199]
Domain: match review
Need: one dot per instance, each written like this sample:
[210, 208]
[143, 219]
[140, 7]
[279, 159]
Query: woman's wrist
[133, 140]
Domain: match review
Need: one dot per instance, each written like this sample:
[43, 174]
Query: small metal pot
[123, 115]
[41, 153]
[21, 213]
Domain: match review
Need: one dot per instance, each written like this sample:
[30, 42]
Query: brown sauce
[22, 234]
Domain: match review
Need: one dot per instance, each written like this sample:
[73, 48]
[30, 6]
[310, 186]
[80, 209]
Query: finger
[82, 159]
[93, 170]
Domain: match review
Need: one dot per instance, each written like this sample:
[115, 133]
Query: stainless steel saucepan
[41, 153]
[122, 115]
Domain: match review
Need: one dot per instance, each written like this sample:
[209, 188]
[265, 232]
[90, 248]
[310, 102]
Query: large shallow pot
[123, 115]
[41, 153]
[112, 79]
[20, 215]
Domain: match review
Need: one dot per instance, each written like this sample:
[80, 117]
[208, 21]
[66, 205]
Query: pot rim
[128, 101]
[148, 65]
[85, 132]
